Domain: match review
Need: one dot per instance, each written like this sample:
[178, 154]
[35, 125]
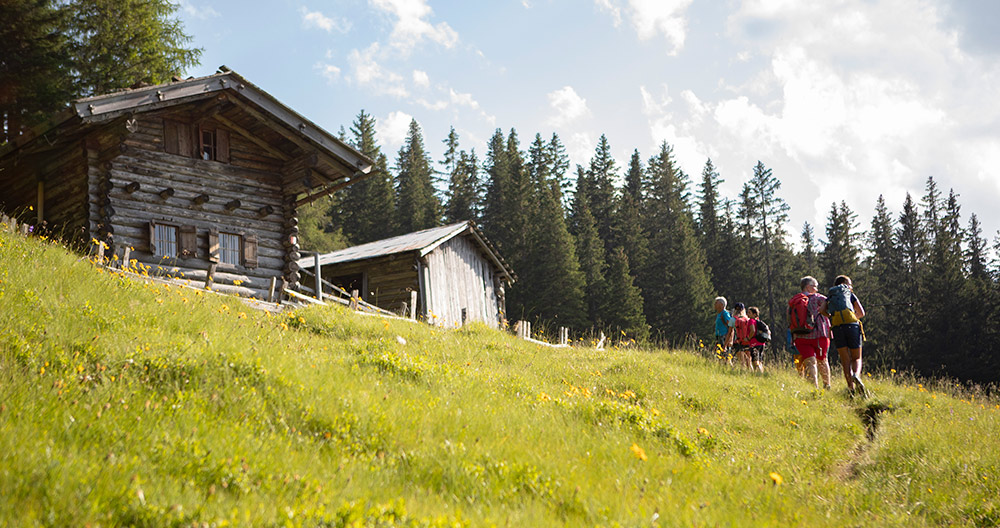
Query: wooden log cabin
[453, 269]
[200, 178]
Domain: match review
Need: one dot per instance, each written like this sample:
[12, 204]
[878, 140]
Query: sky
[843, 100]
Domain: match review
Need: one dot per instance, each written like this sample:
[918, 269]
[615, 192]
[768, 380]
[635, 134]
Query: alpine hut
[456, 273]
[198, 178]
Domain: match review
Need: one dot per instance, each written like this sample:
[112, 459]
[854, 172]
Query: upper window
[208, 146]
[229, 248]
[165, 241]
[203, 141]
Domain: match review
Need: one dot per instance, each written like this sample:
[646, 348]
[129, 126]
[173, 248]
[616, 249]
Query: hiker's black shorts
[847, 336]
[757, 354]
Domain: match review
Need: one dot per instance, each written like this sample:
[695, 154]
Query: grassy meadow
[124, 403]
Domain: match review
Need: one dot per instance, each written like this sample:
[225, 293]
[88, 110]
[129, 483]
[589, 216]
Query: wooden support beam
[41, 202]
[251, 137]
[322, 192]
[413, 305]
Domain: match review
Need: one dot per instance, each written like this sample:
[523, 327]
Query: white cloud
[421, 79]
[412, 28]
[612, 8]
[316, 19]
[436, 106]
[202, 12]
[568, 106]
[367, 72]
[844, 104]
[328, 71]
[651, 18]
[463, 99]
[393, 129]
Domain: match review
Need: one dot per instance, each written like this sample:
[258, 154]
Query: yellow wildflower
[639, 452]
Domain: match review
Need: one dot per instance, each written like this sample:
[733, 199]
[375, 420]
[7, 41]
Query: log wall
[137, 176]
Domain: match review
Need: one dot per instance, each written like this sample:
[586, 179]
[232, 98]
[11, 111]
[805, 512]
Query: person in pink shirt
[814, 344]
[756, 346]
[744, 332]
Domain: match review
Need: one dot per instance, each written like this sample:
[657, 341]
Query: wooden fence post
[210, 276]
[563, 335]
[319, 277]
[413, 305]
[270, 292]
[354, 299]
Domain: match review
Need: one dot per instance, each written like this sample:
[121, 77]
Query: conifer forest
[641, 250]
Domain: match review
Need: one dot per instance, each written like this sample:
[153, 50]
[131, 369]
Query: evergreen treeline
[640, 251]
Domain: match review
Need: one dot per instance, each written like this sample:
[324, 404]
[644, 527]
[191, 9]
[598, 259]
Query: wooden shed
[454, 270]
[200, 178]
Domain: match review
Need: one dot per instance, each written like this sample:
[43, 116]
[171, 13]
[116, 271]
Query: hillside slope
[129, 403]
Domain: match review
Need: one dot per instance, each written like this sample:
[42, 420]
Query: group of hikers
[814, 321]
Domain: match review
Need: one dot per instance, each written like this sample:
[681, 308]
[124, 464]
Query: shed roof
[420, 242]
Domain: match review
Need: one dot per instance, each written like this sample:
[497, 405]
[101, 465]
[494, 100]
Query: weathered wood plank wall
[389, 280]
[460, 277]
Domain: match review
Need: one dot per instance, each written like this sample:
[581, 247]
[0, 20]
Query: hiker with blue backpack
[845, 317]
[809, 324]
[724, 325]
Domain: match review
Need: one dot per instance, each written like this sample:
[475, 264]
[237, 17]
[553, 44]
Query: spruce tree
[550, 277]
[912, 243]
[498, 188]
[118, 43]
[368, 204]
[676, 283]
[942, 302]
[35, 56]
[589, 251]
[463, 189]
[808, 258]
[626, 314]
[840, 255]
[885, 304]
[601, 192]
[771, 213]
[628, 220]
[417, 206]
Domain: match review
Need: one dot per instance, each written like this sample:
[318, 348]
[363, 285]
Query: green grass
[124, 403]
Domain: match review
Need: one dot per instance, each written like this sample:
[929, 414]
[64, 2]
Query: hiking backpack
[800, 320]
[742, 330]
[840, 307]
[763, 332]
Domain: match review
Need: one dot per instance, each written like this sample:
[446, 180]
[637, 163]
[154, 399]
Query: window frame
[236, 251]
[157, 242]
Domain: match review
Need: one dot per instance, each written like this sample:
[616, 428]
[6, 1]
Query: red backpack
[800, 321]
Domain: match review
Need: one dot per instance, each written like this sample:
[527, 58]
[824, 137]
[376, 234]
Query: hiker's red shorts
[816, 348]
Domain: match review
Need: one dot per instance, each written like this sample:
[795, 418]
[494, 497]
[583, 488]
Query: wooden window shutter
[185, 140]
[222, 145]
[188, 246]
[213, 245]
[250, 251]
[152, 237]
[170, 137]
